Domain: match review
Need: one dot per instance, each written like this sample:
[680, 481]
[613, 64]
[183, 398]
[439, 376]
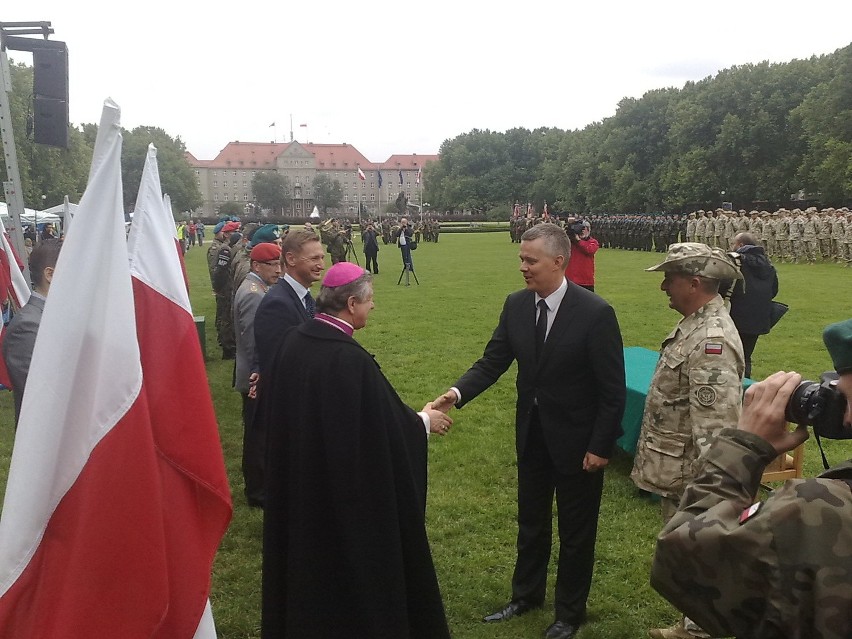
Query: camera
[820, 405]
[576, 228]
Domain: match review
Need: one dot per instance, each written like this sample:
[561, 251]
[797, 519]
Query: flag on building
[115, 502]
[303, 125]
[14, 292]
[273, 124]
[419, 174]
[379, 176]
[361, 175]
[400, 177]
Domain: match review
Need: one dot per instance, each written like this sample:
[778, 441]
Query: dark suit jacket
[280, 310]
[18, 344]
[579, 380]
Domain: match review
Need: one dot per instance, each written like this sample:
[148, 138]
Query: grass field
[424, 337]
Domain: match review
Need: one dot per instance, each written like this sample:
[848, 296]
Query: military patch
[706, 395]
[750, 512]
[713, 348]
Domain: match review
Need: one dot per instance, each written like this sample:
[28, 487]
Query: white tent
[31, 216]
[315, 213]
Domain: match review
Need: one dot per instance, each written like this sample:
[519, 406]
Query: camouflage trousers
[811, 249]
[668, 507]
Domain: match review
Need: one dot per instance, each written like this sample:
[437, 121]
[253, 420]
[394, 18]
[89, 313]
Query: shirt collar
[555, 298]
[301, 291]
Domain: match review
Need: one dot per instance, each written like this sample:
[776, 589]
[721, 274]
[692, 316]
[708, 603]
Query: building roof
[263, 155]
[408, 162]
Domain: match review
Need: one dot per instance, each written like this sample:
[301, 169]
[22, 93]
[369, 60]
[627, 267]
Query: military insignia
[706, 395]
[713, 348]
[750, 512]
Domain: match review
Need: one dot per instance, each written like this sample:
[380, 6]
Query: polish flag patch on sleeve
[713, 348]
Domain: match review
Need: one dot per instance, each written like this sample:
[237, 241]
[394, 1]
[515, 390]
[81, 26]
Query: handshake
[437, 409]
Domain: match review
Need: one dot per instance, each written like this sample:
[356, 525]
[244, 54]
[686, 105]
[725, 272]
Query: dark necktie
[540, 328]
[310, 304]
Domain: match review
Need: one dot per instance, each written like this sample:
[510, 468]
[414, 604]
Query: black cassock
[345, 552]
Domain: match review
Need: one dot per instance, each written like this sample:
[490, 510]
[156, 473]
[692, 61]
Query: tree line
[755, 135]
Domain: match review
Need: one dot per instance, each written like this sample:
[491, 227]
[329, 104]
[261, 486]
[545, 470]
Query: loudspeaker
[50, 73]
[50, 121]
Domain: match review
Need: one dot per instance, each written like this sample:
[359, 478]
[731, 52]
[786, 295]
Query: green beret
[838, 341]
[266, 233]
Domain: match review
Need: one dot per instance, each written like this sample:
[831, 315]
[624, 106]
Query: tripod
[351, 252]
[407, 268]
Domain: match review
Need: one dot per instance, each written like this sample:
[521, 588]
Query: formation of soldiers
[796, 235]
[426, 230]
[811, 235]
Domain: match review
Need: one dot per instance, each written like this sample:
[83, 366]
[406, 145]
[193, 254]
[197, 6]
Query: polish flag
[361, 174]
[419, 175]
[114, 504]
[14, 292]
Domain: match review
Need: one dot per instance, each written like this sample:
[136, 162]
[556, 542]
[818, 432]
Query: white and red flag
[419, 175]
[116, 500]
[361, 175]
[14, 292]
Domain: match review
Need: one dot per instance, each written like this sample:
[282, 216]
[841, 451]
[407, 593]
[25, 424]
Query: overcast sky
[402, 77]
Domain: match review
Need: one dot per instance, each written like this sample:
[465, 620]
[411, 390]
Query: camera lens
[802, 403]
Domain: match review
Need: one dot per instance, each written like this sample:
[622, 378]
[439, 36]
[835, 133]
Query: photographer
[781, 567]
[581, 263]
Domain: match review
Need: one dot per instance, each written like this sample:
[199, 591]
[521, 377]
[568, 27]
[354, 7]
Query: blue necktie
[310, 304]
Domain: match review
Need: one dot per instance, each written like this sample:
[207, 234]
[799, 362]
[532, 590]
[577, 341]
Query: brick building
[228, 177]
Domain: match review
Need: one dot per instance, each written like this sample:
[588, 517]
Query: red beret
[266, 252]
[230, 227]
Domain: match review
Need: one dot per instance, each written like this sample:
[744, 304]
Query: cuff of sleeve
[427, 422]
[742, 456]
[457, 392]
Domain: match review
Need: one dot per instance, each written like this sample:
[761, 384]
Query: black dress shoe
[512, 609]
[562, 630]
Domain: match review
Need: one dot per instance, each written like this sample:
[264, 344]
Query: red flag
[361, 174]
[110, 522]
[14, 292]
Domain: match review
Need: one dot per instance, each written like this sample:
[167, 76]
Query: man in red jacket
[581, 264]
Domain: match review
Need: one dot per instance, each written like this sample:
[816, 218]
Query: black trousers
[749, 342]
[372, 258]
[254, 453]
[578, 499]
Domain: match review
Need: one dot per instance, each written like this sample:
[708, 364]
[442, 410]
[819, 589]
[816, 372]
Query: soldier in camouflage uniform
[221, 278]
[697, 385]
[797, 235]
[691, 227]
[782, 221]
[719, 228]
[837, 228]
[809, 237]
[823, 222]
[775, 569]
[847, 240]
[213, 249]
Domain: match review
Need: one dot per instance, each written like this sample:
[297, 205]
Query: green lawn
[424, 337]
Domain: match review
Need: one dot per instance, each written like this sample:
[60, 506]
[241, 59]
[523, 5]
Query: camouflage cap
[838, 341]
[694, 258]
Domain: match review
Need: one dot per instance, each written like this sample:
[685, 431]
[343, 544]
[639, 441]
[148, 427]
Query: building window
[244, 184]
[244, 173]
[215, 184]
[225, 197]
[235, 184]
[245, 197]
[372, 197]
[308, 192]
[197, 172]
[253, 173]
[345, 198]
[299, 206]
[235, 173]
[215, 197]
[364, 197]
[371, 185]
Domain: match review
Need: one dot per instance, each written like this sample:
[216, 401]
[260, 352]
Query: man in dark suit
[571, 394]
[20, 337]
[286, 304]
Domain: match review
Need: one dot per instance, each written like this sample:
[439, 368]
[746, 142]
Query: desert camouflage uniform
[701, 228]
[823, 224]
[691, 226]
[695, 391]
[719, 229]
[782, 233]
[809, 238]
[769, 240]
[837, 230]
[781, 572]
[797, 229]
[847, 240]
